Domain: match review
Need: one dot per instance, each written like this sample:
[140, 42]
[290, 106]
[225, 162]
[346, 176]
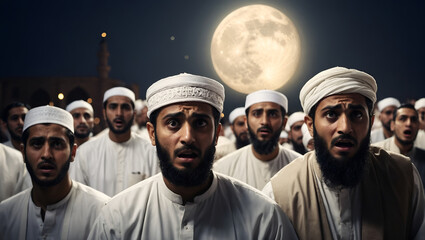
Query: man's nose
[187, 136]
[344, 125]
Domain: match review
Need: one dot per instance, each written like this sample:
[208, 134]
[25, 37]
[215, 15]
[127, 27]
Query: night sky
[60, 38]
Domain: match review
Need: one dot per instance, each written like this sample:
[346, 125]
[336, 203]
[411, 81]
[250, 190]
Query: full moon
[255, 47]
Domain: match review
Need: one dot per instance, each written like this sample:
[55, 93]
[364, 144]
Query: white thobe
[288, 145]
[224, 149]
[111, 167]
[229, 209]
[343, 209]
[13, 173]
[9, 144]
[377, 135]
[70, 218]
[243, 165]
[388, 144]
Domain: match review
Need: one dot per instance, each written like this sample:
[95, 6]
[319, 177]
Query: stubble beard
[49, 183]
[346, 172]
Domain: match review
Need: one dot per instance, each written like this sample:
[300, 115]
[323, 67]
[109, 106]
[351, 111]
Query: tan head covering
[337, 80]
[48, 114]
[185, 88]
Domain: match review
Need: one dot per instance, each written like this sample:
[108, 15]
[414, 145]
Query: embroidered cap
[48, 114]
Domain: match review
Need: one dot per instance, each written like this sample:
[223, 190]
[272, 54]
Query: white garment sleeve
[418, 222]
[268, 190]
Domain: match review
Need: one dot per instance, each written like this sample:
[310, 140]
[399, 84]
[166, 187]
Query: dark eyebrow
[334, 107]
[36, 139]
[173, 115]
[200, 115]
[337, 107]
[356, 107]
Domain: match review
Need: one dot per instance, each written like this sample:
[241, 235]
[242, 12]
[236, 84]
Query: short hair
[154, 115]
[404, 105]
[68, 133]
[5, 113]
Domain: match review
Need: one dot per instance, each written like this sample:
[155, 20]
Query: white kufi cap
[306, 135]
[295, 117]
[337, 80]
[139, 105]
[119, 91]
[49, 114]
[420, 103]
[185, 88]
[386, 102]
[79, 104]
[266, 96]
[283, 134]
[240, 111]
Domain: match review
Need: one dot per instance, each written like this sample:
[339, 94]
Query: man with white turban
[240, 132]
[141, 118]
[386, 109]
[115, 161]
[82, 112]
[187, 200]
[346, 189]
[295, 135]
[256, 163]
[420, 107]
[55, 207]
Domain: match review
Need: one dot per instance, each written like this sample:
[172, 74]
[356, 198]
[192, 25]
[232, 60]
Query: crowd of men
[347, 167]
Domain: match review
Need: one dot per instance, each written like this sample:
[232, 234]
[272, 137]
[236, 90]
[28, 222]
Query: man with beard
[240, 131]
[386, 109]
[13, 117]
[55, 207]
[82, 112]
[188, 200]
[256, 163]
[346, 189]
[405, 125]
[120, 158]
[295, 135]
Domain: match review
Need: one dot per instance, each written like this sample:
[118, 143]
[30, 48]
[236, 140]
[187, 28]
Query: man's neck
[387, 133]
[120, 138]
[404, 148]
[80, 141]
[44, 196]
[266, 157]
[16, 144]
[188, 194]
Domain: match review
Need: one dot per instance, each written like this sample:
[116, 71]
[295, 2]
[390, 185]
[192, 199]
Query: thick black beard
[124, 130]
[62, 174]
[299, 148]
[346, 172]
[241, 143]
[188, 177]
[264, 147]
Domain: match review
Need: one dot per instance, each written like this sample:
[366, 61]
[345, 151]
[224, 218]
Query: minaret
[103, 68]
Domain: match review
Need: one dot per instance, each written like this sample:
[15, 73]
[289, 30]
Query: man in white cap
[346, 189]
[55, 207]
[115, 161]
[188, 200]
[141, 118]
[386, 109]
[283, 138]
[256, 163]
[308, 140]
[295, 135]
[13, 174]
[420, 107]
[13, 117]
[82, 112]
[240, 131]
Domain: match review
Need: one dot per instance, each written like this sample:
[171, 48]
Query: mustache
[343, 137]
[46, 161]
[264, 128]
[185, 148]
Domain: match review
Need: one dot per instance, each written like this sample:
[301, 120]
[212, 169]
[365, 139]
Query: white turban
[337, 80]
[386, 102]
[283, 134]
[266, 96]
[79, 104]
[139, 105]
[119, 91]
[49, 114]
[240, 111]
[420, 103]
[306, 135]
[295, 117]
[185, 88]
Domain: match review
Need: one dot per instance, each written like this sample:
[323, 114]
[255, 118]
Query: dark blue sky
[60, 38]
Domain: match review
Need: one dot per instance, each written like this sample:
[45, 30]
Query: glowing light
[172, 38]
[89, 100]
[96, 120]
[51, 104]
[186, 57]
[255, 47]
[60, 96]
[103, 34]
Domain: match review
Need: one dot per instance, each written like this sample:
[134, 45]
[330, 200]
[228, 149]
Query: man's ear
[73, 151]
[151, 132]
[219, 126]
[285, 121]
[21, 147]
[104, 114]
[392, 126]
[309, 122]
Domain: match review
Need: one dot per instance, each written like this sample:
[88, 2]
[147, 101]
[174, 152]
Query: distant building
[38, 91]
